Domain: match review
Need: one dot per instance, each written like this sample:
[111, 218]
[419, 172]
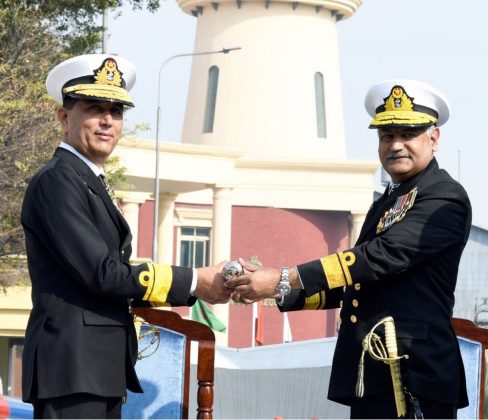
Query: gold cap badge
[108, 73]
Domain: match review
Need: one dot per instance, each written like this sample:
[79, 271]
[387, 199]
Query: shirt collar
[392, 186]
[97, 170]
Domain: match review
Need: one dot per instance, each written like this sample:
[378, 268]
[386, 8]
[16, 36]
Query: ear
[434, 138]
[62, 114]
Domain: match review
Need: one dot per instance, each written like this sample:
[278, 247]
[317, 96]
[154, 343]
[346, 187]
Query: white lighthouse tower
[280, 94]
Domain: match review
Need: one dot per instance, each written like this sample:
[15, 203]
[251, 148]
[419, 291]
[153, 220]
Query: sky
[440, 42]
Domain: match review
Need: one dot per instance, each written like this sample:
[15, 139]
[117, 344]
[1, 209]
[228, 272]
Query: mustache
[396, 155]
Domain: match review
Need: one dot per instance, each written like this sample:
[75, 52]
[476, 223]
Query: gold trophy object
[389, 355]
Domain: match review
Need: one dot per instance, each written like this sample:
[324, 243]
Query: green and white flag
[202, 313]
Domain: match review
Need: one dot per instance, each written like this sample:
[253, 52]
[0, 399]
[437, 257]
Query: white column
[131, 205]
[166, 228]
[357, 221]
[222, 224]
[221, 242]
[131, 214]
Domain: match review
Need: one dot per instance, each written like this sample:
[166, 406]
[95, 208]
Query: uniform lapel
[92, 181]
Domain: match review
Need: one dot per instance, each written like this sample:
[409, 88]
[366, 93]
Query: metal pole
[158, 139]
[104, 31]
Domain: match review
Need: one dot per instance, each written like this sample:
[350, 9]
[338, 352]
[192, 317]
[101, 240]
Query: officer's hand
[211, 284]
[256, 283]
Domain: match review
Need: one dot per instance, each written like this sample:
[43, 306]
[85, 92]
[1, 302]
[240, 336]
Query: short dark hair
[69, 102]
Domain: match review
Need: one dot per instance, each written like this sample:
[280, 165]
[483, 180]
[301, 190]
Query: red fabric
[4, 408]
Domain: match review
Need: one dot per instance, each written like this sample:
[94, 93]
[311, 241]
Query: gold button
[354, 319]
[344, 288]
[357, 286]
[355, 303]
[341, 303]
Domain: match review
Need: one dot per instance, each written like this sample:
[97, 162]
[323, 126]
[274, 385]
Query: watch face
[284, 289]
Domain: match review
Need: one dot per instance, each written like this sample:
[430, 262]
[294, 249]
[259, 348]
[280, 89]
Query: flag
[202, 313]
[287, 337]
[259, 337]
[257, 312]
[253, 323]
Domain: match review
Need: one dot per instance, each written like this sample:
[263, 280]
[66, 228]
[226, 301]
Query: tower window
[320, 105]
[213, 81]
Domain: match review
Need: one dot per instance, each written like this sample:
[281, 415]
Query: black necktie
[110, 191]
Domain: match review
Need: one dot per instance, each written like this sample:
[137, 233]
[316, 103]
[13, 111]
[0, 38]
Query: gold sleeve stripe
[336, 268]
[312, 302]
[158, 280]
[316, 301]
[163, 280]
[333, 271]
[322, 300]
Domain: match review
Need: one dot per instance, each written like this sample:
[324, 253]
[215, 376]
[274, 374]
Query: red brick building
[277, 237]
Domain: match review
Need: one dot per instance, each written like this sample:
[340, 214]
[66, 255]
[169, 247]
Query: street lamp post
[158, 138]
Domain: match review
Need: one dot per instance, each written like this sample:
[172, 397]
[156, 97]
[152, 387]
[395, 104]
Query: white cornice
[304, 164]
[345, 8]
[184, 148]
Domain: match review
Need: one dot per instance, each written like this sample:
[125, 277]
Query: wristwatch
[284, 287]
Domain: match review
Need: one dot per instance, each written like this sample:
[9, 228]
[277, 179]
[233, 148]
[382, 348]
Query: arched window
[320, 105]
[213, 81]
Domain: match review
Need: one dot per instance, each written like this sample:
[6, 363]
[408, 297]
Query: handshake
[242, 281]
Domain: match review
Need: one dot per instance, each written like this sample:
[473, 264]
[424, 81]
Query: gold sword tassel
[389, 355]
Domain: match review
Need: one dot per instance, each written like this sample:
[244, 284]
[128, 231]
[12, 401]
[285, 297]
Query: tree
[34, 36]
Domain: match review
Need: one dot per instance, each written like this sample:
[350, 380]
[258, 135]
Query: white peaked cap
[102, 77]
[401, 102]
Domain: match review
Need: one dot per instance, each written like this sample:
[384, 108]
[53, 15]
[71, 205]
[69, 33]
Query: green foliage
[116, 174]
[35, 35]
[74, 23]
[27, 126]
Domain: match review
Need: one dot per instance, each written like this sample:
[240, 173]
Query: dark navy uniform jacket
[404, 265]
[80, 337]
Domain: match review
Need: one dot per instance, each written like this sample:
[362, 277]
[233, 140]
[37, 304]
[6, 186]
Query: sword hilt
[390, 337]
[396, 376]
[386, 353]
